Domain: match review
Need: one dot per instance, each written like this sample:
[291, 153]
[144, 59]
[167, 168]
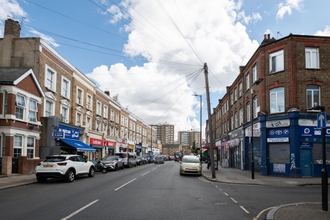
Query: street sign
[58, 134]
[321, 120]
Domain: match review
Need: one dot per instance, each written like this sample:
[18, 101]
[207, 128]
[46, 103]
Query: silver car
[112, 162]
[129, 159]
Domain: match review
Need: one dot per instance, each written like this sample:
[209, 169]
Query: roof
[13, 76]
[10, 75]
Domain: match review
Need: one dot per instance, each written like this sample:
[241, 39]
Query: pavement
[296, 211]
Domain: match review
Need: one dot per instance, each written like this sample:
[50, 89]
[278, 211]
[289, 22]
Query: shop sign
[278, 123]
[109, 144]
[279, 168]
[278, 140]
[95, 142]
[313, 132]
[278, 133]
[68, 133]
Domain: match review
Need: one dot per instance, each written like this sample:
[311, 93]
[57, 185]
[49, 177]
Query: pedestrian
[208, 162]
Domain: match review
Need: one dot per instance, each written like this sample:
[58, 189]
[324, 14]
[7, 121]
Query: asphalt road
[145, 192]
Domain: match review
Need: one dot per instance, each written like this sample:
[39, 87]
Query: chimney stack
[12, 28]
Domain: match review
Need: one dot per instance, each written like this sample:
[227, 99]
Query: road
[145, 192]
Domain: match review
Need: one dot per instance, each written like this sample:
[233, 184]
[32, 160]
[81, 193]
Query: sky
[150, 54]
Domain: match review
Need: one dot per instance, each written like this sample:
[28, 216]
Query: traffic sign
[322, 120]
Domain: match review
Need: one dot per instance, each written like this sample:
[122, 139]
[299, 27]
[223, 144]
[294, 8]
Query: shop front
[121, 145]
[235, 149]
[110, 147]
[69, 141]
[97, 144]
[138, 149]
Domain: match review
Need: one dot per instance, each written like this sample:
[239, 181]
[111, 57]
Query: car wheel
[41, 179]
[91, 172]
[116, 167]
[69, 177]
[135, 165]
[122, 166]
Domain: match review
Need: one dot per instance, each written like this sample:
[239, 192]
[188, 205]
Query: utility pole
[210, 121]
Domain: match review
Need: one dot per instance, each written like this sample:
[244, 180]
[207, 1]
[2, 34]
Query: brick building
[277, 88]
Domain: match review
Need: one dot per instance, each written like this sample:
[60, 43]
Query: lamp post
[257, 82]
[151, 138]
[200, 124]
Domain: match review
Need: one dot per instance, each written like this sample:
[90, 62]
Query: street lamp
[200, 124]
[257, 82]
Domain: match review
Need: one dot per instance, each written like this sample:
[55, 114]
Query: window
[20, 106]
[65, 92]
[236, 119]
[247, 81]
[30, 147]
[276, 61]
[5, 102]
[117, 117]
[49, 108]
[112, 115]
[276, 100]
[2, 144]
[248, 112]
[313, 96]
[255, 106]
[89, 102]
[64, 114]
[50, 79]
[240, 89]
[33, 110]
[79, 96]
[98, 108]
[312, 57]
[254, 73]
[18, 145]
[231, 98]
[78, 119]
[105, 126]
[105, 111]
[240, 117]
[88, 122]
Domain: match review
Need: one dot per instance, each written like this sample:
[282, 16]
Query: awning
[79, 145]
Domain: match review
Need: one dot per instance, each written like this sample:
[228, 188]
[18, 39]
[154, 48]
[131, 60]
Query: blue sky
[151, 53]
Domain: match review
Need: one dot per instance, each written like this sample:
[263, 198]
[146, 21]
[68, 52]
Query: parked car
[65, 166]
[159, 160]
[111, 163]
[140, 160]
[149, 158]
[190, 165]
[129, 159]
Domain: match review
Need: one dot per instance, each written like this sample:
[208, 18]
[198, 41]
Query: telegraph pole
[210, 121]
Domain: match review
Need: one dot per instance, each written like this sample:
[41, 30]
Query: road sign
[322, 120]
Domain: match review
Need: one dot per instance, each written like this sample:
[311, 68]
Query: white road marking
[225, 193]
[125, 184]
[233, 200]
[145, 173]
[244, 209]
[79, 210]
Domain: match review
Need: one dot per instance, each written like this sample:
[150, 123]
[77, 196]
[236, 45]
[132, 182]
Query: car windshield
[111, 158]
[122, 155]
[54, 159]
[190, 160]
[158, 158]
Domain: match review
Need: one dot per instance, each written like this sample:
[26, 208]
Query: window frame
[312, 89]
[52, 106]
[50, 83]
[64, 89]
[20, 106]
[276, 92]
[312, 51]
[278, 57]
[33, 111]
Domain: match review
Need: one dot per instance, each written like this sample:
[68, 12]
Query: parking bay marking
[125, 184]
[79, 210]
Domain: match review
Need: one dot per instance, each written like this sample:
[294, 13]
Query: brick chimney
[12, 28]
[12, 31]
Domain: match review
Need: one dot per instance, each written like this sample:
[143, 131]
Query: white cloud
[325, 32]
[46, 38]
[9, 9]
[177, 39]
[287, 7]
[254, 18]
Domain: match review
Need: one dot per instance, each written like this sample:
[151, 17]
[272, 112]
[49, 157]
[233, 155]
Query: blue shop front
[291, 145]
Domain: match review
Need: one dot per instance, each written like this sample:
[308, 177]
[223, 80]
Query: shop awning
[79, 145]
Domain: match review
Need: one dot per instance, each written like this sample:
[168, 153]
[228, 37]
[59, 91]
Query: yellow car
[190, 165]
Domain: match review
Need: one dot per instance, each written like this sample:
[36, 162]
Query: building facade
[267, 111]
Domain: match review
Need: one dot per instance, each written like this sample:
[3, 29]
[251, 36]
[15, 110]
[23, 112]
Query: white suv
[66, 166]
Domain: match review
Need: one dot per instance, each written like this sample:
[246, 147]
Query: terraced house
[62, 110]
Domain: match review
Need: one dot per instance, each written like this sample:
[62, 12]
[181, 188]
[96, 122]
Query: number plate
[48, 166]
